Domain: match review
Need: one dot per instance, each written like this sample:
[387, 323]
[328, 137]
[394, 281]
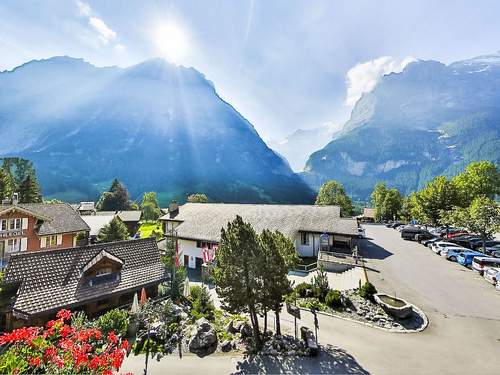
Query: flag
[177, 254]
[206, 255]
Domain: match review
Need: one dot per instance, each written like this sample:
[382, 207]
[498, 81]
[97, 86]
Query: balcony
[10, 233]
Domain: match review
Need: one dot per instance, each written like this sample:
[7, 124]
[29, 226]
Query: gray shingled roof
[203, 221]
[50, 280]
[125, 216]
[64, 219]
[97, 222]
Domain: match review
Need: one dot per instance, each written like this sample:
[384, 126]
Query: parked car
[409, 232]
[397, 224]
[490, 243]
[438, 246]
[479, 264]
[495, 254]
[464, 240]
[489, 249]
[428, 243]
[492, 275]
[423, 236]
[456, 234]
[465, 259]
[451, 253]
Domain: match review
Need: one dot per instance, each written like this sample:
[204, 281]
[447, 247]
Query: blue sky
[283, 64]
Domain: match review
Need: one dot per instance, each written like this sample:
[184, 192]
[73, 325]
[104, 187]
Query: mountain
[155, 126]
[428, 120]
[297, 147]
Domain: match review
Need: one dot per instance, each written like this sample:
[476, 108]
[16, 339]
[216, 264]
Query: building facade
[38, 226]
[197, 226]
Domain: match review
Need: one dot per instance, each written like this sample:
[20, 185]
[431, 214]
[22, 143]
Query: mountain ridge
[153, 125]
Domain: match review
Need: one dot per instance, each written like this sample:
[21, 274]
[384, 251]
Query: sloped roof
[369, 212]
[50, 280]
[125, 216]
[203, 221]
[97, 222]
[86, 206]
[63, 218]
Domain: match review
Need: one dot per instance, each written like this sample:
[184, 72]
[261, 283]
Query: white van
[479, 264]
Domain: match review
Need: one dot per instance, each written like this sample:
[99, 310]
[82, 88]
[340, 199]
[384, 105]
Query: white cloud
[363, 77]
[119, 47]
[83, 8]
[104, 33]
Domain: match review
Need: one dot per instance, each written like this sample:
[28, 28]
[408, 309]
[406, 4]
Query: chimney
[173, 209]
[15, 199]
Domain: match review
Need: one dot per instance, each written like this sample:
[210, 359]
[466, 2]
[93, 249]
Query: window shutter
[24, 243]
[25, 223]
[59, 239]
[43, 242]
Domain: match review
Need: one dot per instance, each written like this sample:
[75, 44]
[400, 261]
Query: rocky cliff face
[430, 119]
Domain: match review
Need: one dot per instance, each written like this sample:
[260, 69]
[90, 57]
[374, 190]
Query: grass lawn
[147, 227]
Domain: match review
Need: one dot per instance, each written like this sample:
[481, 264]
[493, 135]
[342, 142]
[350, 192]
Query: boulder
[203, 338]
[226, 346]
[230, 327]
[246, 330]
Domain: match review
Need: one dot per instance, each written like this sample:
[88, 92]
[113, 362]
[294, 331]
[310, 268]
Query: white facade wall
[187, 247]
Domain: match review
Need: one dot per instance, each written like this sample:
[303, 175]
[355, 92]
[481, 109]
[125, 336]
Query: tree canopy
[478, 179]
[197, 198]
[332, 193]
[149, 206]
[116, 230]
[19, 176]
[116, 199]
[387, 202]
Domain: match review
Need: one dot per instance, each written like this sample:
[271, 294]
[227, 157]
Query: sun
[172, 42]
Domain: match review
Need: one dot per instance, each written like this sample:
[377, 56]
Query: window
[3, 224]
[52, 240]
[304, 239]
[104, 271]
[13, 245]
[2, 249]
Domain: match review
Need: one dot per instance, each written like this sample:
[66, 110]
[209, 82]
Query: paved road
[463, 336]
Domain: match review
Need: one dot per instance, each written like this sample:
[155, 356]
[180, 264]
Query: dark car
[397, 224]
[423, 236]
[410, 232]
[479, 244]
[464, 241]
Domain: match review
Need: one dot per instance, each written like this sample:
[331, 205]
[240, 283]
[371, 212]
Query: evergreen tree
[6, 185]
[114, 231]
[237, 275]
[29, 190]
[116, 199]
[278, 256]
[333, 193]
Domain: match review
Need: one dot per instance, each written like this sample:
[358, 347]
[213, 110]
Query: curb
[390, 330]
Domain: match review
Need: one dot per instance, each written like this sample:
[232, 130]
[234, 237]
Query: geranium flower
[64, 314]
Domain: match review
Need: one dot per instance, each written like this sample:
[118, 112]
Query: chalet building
[130, 218]
[92, 279]
[368, 216]
[37, 226]
[311, 228]
[96, 223]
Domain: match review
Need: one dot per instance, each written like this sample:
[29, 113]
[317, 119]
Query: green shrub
[114, 320]
[304, 290]
[367, 290]
[333, 299]
[201, 303]
[79, 320]
[312, 303]
[320, 284]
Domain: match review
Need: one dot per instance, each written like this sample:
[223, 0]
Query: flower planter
[394, 306]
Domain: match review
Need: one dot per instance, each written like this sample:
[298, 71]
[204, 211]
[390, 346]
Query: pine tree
[6, 186]
[114, 231]
[237, 275]
[116, 199]
[29, 190]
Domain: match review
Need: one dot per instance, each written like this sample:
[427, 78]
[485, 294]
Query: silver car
[492, 275]
[438, 246]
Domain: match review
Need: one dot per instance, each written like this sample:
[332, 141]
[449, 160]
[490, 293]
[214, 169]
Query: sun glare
[172, 42]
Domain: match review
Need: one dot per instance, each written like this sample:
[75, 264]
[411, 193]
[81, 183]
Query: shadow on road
[371, 251]
[332, 360]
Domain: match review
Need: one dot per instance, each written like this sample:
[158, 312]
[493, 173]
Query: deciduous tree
[116, 199]
[439, 195]
[333, 193]
[478, 179]
[149, 207]
[197, 198]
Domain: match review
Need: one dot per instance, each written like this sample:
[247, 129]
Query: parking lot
[464, 310]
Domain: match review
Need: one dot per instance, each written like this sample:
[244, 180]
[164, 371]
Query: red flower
[66, 330]
[112, 337]
[64, 314]
[125, 346]
[50, 352]
[35, 361]
[107, 372]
